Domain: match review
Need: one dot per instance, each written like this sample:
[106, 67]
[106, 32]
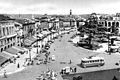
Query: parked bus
[92, 61]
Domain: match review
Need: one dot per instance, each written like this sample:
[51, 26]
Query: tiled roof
[67, 19]
[24, 21]
[27, 42]
[32, 39]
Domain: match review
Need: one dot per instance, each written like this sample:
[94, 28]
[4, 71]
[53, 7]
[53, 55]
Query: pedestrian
[71, 69]
[75, 69]
[14, 60]
[32, 62]
[18, 65]
[49, 59]
[62, 71]
[24, 63]
[41, 77]
[70, 61]
[5, 76]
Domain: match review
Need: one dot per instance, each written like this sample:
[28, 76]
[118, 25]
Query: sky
[59, 6]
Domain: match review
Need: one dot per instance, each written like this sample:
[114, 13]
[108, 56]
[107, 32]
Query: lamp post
[37, 40]
[30, 53]
[108, 35]
[37, 47]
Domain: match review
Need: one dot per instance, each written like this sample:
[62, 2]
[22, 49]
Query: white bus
[92, 61]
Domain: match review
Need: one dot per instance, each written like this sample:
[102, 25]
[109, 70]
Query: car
[53, 58]
[47, 47]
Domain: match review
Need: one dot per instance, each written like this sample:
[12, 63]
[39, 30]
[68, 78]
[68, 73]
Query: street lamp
[30, 53]
[108, 35]
[37, 41]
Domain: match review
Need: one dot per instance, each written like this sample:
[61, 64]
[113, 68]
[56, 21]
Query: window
[84, 61]
[101, 60]
[96, 60]
[3, 31]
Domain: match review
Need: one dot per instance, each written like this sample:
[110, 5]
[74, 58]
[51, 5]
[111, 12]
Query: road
[65, 51]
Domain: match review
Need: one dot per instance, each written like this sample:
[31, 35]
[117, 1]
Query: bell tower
[70, 12]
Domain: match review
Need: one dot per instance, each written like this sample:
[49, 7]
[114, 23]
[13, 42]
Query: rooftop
[24, 21]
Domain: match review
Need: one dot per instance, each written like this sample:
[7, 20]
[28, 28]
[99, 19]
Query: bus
[92, 61]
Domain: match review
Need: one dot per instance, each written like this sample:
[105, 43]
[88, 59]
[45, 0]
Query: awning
[29, 41]
[45, 32]
[18, 48]
[40, 35]
[5, 52]
[113, 37]
[53, 30]
[11, 35]
[6, 55]
[12, 51]
[26, 49]
[114, 47]
[32, 39]
[2, 60]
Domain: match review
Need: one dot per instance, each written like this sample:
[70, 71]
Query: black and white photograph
[59, 39]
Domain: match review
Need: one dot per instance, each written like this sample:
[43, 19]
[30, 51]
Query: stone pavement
[13, 67]
[65, 51]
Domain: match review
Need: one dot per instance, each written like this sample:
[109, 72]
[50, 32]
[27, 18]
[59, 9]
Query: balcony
[8, 36]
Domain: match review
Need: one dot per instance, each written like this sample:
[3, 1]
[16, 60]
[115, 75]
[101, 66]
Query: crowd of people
[48, 75]
[68, 70]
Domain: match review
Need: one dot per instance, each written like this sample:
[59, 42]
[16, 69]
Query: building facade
[8, 35]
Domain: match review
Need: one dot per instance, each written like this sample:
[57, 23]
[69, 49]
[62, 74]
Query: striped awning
[29, 41]
[12, 51]
[5, 52]
[6, 55]
[18, 48]
[2, 60]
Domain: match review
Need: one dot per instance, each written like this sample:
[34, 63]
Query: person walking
[4, 74]
[70, 61]
[18, 65]
[75, 69]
